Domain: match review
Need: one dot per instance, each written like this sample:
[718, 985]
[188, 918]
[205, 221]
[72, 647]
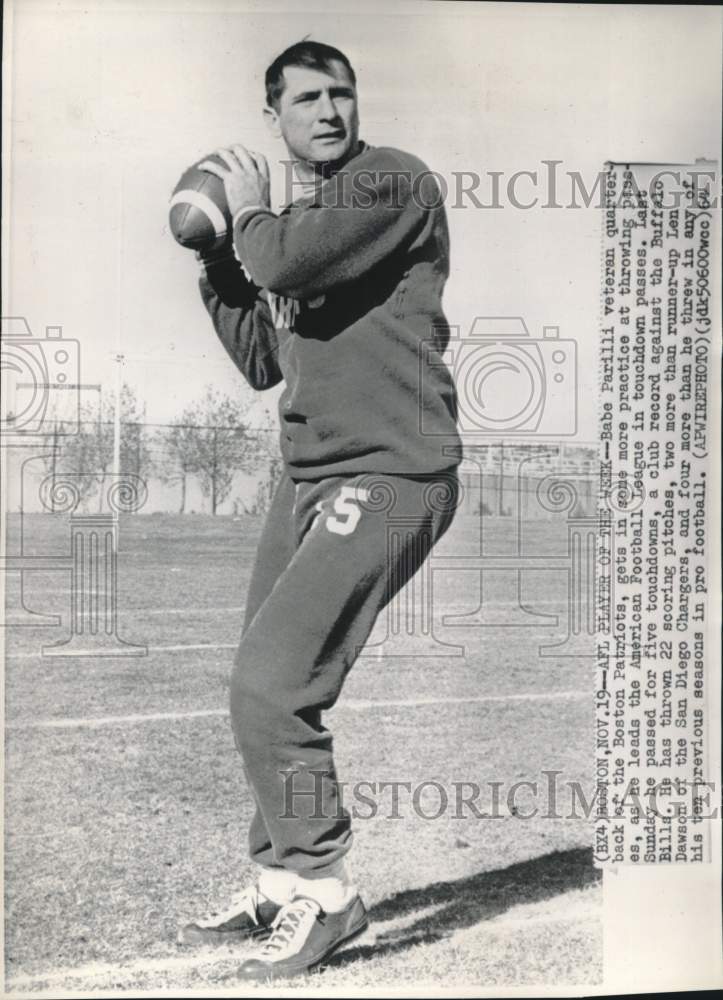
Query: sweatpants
[332, 554]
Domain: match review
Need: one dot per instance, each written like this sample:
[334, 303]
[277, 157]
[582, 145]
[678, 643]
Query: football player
[340, 297]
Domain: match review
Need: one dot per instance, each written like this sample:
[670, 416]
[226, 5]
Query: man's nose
[327, 108]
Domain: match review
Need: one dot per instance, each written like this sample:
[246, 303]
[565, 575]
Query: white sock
[333, 892]
[277, 884]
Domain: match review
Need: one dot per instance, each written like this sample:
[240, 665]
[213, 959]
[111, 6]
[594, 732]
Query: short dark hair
[315, 55]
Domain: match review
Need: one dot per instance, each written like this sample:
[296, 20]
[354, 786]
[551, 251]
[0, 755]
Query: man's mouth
[330, 136]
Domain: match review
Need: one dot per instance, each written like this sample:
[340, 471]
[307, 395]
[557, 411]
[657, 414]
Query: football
[199, 217]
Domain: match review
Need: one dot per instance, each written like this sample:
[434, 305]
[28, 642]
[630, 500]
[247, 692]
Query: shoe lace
[290, 920]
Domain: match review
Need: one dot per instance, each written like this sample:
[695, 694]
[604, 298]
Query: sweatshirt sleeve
[243, 322]
[362, 218]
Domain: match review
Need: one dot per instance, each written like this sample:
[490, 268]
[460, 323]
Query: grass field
[126, 807]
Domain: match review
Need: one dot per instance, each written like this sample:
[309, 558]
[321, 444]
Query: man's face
[317, 114]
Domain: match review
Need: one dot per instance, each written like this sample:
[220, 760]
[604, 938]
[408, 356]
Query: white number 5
[346, 514]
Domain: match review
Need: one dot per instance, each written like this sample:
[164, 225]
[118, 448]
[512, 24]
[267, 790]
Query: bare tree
[270, 456]
[219, 442]
[74, 454]
[89, 453]
[178, 449]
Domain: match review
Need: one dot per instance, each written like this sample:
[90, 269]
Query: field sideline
[126, 807]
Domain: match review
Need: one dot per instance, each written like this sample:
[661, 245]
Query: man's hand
[246, 181]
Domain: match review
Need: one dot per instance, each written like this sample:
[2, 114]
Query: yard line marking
[359, 704]
[38, 593]
[114, 969]
[195, 645]
[116, 720]
[218, 608]
[124, 970]
[151, 649]
[443, 608]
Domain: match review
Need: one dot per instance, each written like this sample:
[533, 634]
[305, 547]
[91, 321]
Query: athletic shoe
[250, 915]
[302, 937]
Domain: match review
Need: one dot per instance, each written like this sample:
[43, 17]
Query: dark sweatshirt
[340, 296]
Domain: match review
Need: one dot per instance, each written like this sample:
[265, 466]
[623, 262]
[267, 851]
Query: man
[339, 296]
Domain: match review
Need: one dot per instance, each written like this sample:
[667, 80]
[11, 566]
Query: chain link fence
[194, 468]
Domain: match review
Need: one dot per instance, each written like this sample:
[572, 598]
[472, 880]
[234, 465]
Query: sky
[107, 104]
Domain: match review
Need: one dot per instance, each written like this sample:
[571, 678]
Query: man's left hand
[246, 181]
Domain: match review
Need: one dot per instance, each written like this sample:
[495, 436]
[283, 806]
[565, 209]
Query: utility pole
[501, 484]
[117, 413]
[118, 336]
[215, 468]
[53, 465]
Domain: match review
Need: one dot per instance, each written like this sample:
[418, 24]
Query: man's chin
[333, 156]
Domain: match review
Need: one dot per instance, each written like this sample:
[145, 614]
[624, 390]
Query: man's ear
[272, 122]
